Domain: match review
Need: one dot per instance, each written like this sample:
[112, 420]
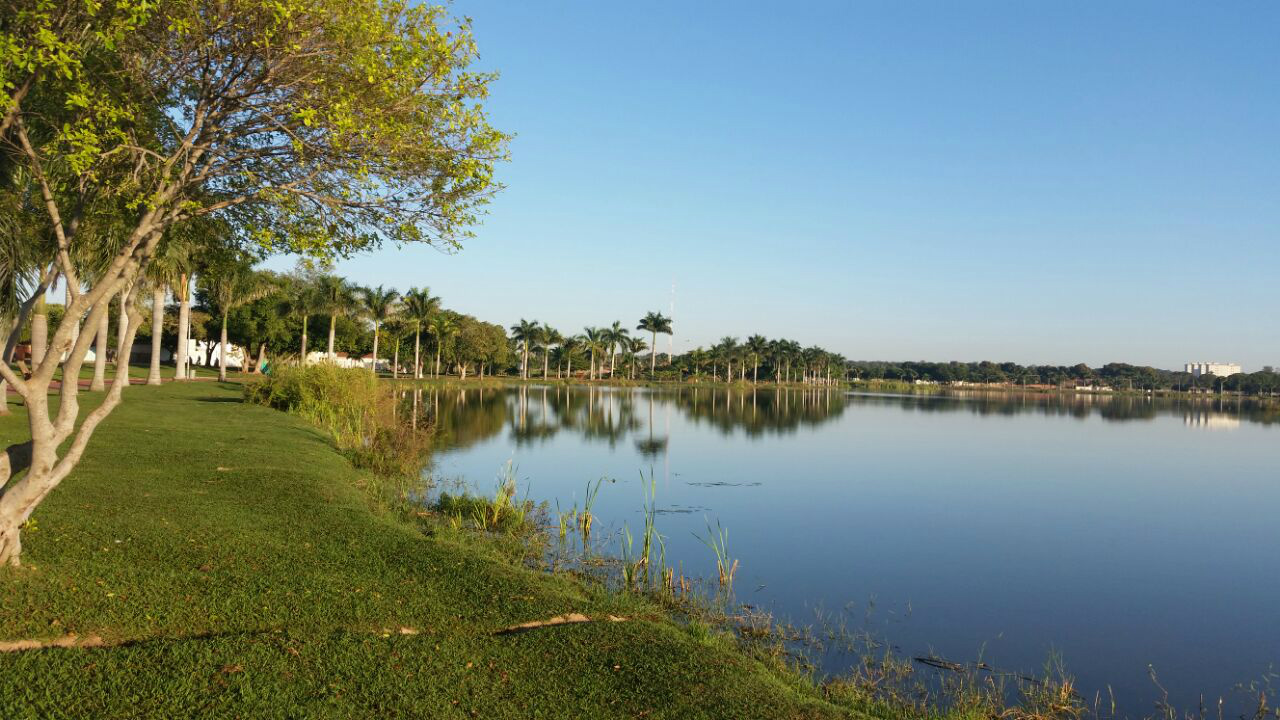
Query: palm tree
[790, 352]
[524, 332]
[418, 307]
[569, 346]
[635, 346]
[441, 326]
[231, 286]
[726, 348]
[169, 266]
[616, 335]
[594, 340]
[548, 337]
[336, 297]
[757, 345]
[395, 329]
[654, 323]
[299, 302]
[379, 306]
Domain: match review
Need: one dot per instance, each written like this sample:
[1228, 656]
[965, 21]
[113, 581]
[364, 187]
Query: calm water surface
[1116, 533]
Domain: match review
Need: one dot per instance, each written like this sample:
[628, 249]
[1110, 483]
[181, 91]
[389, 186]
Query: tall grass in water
[585, 518]
[504, 512]
[726, 566]
[358, 412]
[636, 570]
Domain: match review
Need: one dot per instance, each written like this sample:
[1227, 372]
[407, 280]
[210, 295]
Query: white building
[208, 353]
[1213, 368]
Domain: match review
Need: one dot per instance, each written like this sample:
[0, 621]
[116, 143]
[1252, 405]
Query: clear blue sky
[1048, 182]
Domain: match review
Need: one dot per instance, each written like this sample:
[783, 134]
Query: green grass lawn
[228, 557]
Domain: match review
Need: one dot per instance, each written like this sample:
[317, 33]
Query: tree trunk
[545, 357]
[374, 365]
[157, 331]
[653, 354]
[755, 372]
[303, 358]
[437, 369]
[417, 365]
[395, 363]
[262, 357]
[524, 362]
[184, 328]
[100, 354]
[222, 351]
[75, 329]
[122, 331]
[39, 331]
[333, 321]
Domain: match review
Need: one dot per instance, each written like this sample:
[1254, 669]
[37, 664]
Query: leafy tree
[316, 126]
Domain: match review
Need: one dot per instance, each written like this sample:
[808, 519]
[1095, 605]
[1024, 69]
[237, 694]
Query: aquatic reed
[726, 566]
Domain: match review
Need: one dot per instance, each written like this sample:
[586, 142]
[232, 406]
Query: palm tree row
[601, 347]
[787, 360]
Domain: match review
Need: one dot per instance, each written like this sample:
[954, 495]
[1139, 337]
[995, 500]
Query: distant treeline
[1119, 376]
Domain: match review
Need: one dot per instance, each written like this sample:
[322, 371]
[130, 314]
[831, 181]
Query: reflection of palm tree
[654, 323]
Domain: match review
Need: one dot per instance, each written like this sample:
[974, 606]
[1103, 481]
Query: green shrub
[354, 407]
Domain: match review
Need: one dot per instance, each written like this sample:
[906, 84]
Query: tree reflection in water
[536, 413]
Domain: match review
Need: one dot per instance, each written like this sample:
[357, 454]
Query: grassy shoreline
[232, 564]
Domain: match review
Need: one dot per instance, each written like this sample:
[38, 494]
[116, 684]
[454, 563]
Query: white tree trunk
[39, 332]
[303, 359]
[222, 351]
[374, 365]
[417, 364]
[35, 464]
[157, 330]
[122, 331]
[184, 330]
[395, 363]
[100, 354]
[333, 320]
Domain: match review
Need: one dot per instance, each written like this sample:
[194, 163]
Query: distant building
[1212, 368]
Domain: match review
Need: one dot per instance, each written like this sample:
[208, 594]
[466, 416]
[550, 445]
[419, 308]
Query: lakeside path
[231, 566]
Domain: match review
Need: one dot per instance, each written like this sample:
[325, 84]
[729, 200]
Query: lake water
[1113, 532]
